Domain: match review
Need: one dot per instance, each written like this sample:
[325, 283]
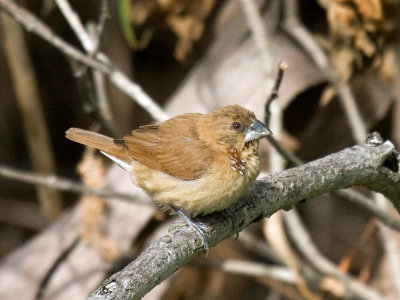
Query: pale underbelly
[212, 192]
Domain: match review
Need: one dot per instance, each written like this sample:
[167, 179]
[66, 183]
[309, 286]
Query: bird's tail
[115, 150]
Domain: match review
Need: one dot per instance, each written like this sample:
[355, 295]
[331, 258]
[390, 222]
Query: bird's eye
[236, 125]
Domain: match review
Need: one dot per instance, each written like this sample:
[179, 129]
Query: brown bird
[195, 163]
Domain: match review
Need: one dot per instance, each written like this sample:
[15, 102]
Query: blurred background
[341, 82]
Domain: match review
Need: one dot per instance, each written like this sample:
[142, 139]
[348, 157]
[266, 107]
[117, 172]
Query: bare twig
[64, 184]
[274, 92]
[133, 90]
[75, 23]
[29, 103]
[251, 269]
[359, 165]
[99, 83]
[292, 159]
[104, 16]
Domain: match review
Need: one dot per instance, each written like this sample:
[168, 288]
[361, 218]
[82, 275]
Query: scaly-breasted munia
[195, 163]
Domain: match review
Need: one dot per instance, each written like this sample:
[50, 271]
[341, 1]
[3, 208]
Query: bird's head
[232, 127]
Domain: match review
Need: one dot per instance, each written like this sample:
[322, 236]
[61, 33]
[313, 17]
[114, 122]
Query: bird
[194, 164]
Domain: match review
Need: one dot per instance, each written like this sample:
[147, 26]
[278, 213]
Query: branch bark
[363, 165]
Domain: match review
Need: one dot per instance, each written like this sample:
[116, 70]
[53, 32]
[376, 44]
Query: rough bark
[366, 165]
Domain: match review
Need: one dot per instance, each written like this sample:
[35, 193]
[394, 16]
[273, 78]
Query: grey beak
[256, 131]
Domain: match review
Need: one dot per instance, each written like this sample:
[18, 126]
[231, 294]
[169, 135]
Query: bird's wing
[172, 147]
[141, 144]
[181, 153]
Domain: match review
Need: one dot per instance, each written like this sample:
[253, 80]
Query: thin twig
[102, 104]
[292, 159]
[274, 92]
[133, 90]
[248, 268]
[104, 16]
[74, 22]
[64, 184]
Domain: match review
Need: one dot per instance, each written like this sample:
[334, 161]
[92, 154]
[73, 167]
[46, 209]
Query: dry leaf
[184, 18]
[388, 72]
[358, 30]
[92, 170]
[334, 286]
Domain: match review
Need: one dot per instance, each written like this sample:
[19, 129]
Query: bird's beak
[256, 131]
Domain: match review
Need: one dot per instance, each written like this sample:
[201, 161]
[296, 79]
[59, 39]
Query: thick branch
[359, 165]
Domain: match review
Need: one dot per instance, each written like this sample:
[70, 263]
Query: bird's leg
[194, 226]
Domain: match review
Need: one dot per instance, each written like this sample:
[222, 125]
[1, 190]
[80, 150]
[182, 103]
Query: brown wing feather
[141, 144]
[181, 153]
[172, 147]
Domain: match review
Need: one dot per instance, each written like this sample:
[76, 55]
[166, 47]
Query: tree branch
[359, 165]
[67, 185]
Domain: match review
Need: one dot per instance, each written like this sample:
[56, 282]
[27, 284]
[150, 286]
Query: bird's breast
[246, 163]
[222, 184]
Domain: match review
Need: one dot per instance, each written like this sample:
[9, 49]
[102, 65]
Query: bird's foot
[197, 227]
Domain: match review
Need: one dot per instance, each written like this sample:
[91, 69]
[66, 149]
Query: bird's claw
[199, 228]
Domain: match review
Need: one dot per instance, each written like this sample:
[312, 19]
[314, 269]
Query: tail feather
[89, 138]
[100, 142]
